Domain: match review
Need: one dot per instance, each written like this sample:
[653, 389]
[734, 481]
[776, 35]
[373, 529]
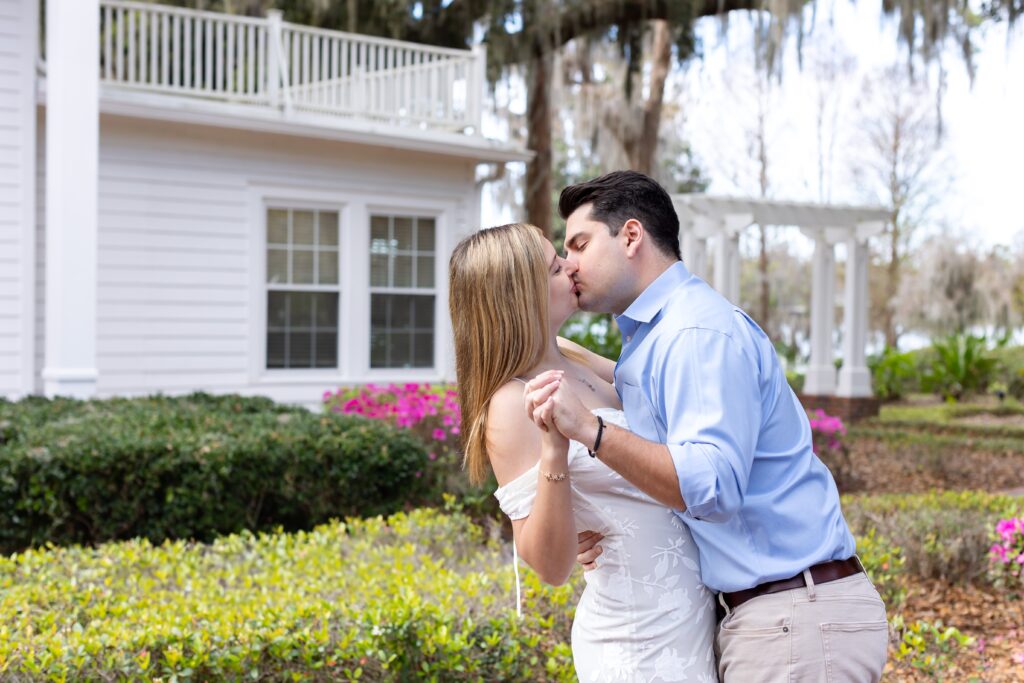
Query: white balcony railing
[271, 63]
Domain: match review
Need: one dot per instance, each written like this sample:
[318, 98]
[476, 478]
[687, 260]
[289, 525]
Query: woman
[644, 615]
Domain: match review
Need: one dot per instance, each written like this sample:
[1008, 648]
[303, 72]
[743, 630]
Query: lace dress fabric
[644, 616]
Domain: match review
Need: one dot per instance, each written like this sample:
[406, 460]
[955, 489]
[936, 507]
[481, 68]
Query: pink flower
[432, 456]
[439, 435]
[1018, 657]
[454, 430]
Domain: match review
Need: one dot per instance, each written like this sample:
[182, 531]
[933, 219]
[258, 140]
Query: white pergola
[721, 220]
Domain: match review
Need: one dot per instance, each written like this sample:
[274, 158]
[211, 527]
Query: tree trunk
[538, 139]
[661, 61]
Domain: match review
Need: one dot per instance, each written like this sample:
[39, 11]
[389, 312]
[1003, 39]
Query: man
[717, 434]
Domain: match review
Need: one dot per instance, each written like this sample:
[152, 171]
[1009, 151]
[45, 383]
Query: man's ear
[633, 234]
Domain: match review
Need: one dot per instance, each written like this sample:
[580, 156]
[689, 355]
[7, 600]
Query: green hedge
[420, 596]
[937, 535]
[191, 467]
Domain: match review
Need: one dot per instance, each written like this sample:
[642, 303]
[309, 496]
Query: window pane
[302, 267]
[378, 350]
[277, 310]
[326, 350]
[328, 267]
[378, 270]
[423, 351]
[379, 313]
[302, 227]
[379, 235]
[403, 271]
[400, 350]
[301, 313]
[277, 266]
[329, 228]
[277, 226]
[425, 234]
[326, 311]
[403, 233]
[423, 309]
[275, 349]
[300, 350]
[401, 312]
[424, 271]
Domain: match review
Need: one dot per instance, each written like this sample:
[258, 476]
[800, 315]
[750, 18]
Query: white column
[723, 261]
[854, 377]
[821, 374]
[72, 171]
[695, 254]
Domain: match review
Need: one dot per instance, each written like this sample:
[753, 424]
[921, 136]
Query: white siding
[18, 31]
[179, 233]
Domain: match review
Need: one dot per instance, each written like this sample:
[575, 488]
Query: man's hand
[550, 403]
[588, 549]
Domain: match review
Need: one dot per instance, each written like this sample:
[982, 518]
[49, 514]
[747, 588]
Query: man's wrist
[588, 432]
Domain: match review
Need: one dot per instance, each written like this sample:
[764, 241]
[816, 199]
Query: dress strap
[519, 379]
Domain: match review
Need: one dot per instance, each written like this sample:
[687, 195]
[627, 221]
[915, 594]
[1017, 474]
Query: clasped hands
[554, 407]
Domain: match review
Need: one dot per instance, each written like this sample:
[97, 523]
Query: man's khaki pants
[833, 632]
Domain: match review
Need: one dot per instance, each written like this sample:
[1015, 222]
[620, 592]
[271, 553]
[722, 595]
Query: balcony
[269, 74]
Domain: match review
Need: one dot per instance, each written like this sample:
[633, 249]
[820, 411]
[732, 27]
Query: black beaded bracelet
[597, 441]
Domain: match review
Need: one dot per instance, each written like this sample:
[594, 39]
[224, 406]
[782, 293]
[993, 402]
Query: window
[402, 292]
[302, 288]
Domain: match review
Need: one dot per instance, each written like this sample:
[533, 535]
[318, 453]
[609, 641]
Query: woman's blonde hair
[498, 302]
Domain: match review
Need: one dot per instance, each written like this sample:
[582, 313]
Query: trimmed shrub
[940, 535]
[893, 374]
[419, 596]
[962, 366]
[191, 467]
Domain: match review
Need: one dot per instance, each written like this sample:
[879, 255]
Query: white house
[192, 200]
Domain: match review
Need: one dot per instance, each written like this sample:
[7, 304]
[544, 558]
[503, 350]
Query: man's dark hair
[620, 195]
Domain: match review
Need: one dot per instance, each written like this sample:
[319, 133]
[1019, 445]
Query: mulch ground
[995, 621]
[880, 467]
[994, 618]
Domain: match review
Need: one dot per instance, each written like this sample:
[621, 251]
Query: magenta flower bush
[828, 433]
[1006, 556]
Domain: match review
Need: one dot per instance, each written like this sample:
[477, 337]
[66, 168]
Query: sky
[983, 148]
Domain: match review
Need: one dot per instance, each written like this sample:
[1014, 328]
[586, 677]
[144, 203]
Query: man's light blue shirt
[696, 373]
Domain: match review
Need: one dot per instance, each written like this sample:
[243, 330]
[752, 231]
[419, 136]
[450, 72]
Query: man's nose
[570, 265]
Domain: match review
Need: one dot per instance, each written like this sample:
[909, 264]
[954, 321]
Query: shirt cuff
[698, 481]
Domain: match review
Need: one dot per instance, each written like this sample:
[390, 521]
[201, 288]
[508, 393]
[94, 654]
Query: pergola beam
[723, 219]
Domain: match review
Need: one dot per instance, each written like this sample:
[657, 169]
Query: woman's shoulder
[513, 441]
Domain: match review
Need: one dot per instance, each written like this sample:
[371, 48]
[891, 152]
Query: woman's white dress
[644, 614]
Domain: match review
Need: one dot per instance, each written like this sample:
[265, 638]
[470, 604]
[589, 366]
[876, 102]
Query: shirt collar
[655, 296]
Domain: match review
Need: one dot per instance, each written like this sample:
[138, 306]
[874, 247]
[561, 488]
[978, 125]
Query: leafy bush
[796, 380]
[893, 374]
[962, 366]
[432, 414]
[1010, 369]
[191, 467]
[883, 563]
[940, 535]
[419, 596]
[596, 332]
[925, 646]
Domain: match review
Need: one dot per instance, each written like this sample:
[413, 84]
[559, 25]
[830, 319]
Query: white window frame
[354, 207]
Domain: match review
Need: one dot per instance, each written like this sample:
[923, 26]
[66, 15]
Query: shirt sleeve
[708, 392]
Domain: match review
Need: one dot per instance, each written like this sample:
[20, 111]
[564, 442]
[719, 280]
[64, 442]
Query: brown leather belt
[821, 573]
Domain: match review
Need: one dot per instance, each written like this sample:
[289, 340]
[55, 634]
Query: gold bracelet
[561, 476]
